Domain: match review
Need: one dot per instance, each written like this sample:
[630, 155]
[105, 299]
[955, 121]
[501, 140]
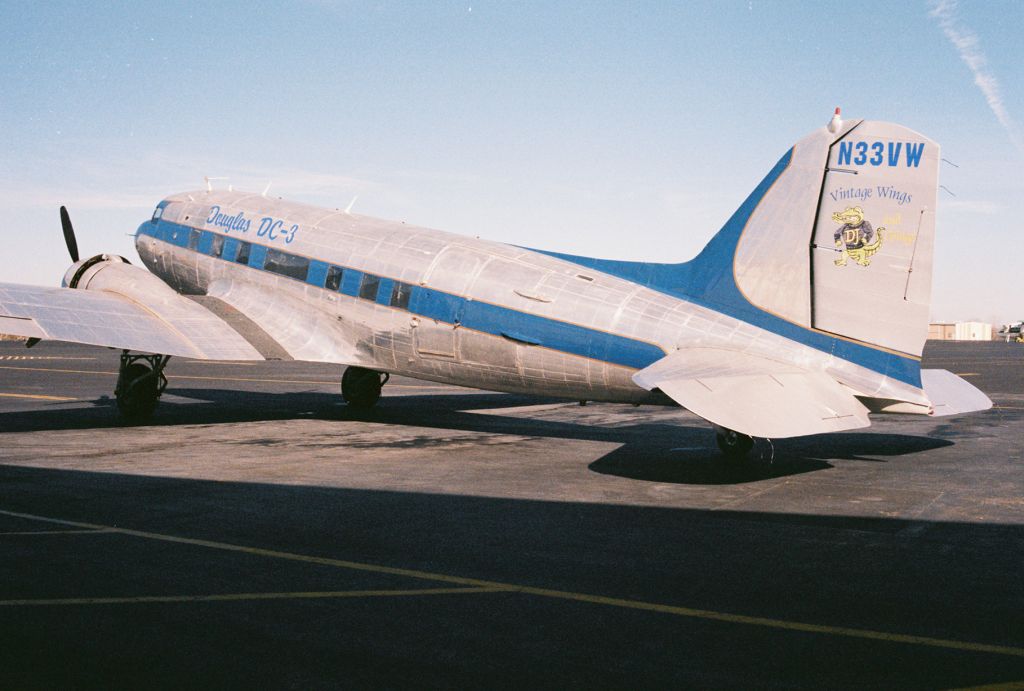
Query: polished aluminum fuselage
[571, 331]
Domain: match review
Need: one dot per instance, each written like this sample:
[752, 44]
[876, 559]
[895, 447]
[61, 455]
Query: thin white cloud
[967, 46]
[976, 207]
[118, 183]
[27, 195]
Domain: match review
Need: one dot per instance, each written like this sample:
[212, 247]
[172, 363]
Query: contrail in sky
[966, 43]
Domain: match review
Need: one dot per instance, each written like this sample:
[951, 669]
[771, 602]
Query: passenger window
[193, 238]
[217, 245]
[286, 264]
[334, 274]
[368, 287]
[243, 253]
[400, 293]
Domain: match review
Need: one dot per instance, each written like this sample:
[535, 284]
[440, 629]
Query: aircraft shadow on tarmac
[784, 457]
[651, 451]
[866, 572]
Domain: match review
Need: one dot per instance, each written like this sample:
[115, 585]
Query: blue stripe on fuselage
[495, 320]
[708, 281]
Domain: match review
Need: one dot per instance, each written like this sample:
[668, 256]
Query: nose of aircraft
[139, 234]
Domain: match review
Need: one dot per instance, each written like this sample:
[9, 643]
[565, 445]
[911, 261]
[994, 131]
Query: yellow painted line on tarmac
[337, 382]
[710, 615]
[176, 376]
[523, 408]
[224, 362]
[427, 386]
[36, 396]
[42, 357]
[242, 597]
[54, 369]
[1000, 686]
[967, 374]
[245, 379]
[56, 532]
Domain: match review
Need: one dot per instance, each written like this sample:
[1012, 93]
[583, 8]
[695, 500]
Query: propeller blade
[69, 233]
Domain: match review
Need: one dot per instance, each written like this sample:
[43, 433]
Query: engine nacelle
[114, 274]
[80, 273]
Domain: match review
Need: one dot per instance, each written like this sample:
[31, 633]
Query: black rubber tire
[733, 445]
[138, 394]
[361, 387]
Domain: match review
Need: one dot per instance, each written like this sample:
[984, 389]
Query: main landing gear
[360, 387]
[140, 381]
[734, 445]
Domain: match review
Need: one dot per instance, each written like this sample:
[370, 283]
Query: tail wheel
[137, 392]
[732, 444]
[361, 387]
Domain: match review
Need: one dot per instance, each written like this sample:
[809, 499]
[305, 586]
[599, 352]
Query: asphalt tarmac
[256, 533]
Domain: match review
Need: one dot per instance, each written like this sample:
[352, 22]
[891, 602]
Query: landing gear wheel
[733, 445]
[360, 387]
[140, 382]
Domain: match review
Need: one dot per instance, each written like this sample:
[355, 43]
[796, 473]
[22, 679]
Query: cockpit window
[157, 213]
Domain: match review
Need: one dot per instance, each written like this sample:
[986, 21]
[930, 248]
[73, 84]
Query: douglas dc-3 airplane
[805, 313]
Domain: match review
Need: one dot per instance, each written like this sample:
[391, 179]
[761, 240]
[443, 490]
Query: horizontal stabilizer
[951, 395]
[754, 395]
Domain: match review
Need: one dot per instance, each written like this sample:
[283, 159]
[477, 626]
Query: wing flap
[754, 395]
[177, 326]
[20, 326]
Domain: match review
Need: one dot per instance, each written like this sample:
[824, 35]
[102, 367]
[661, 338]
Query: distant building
[960, 331]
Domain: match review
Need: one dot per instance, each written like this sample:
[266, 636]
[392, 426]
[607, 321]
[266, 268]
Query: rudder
[871, 254]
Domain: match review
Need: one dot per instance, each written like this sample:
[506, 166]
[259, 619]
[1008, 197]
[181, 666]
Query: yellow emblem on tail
[856, 238]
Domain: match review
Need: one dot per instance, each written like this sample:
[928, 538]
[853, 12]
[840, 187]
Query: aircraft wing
[172, 325]
[754, 395]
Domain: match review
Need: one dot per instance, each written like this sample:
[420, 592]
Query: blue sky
[612, 129]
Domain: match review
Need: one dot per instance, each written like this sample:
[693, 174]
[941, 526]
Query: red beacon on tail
[836, 122]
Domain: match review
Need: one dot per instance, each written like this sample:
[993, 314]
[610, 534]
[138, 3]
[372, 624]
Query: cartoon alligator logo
[856, 238]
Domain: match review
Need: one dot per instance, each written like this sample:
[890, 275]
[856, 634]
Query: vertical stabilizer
[841, 241]
[832, 249]
[772, 264]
